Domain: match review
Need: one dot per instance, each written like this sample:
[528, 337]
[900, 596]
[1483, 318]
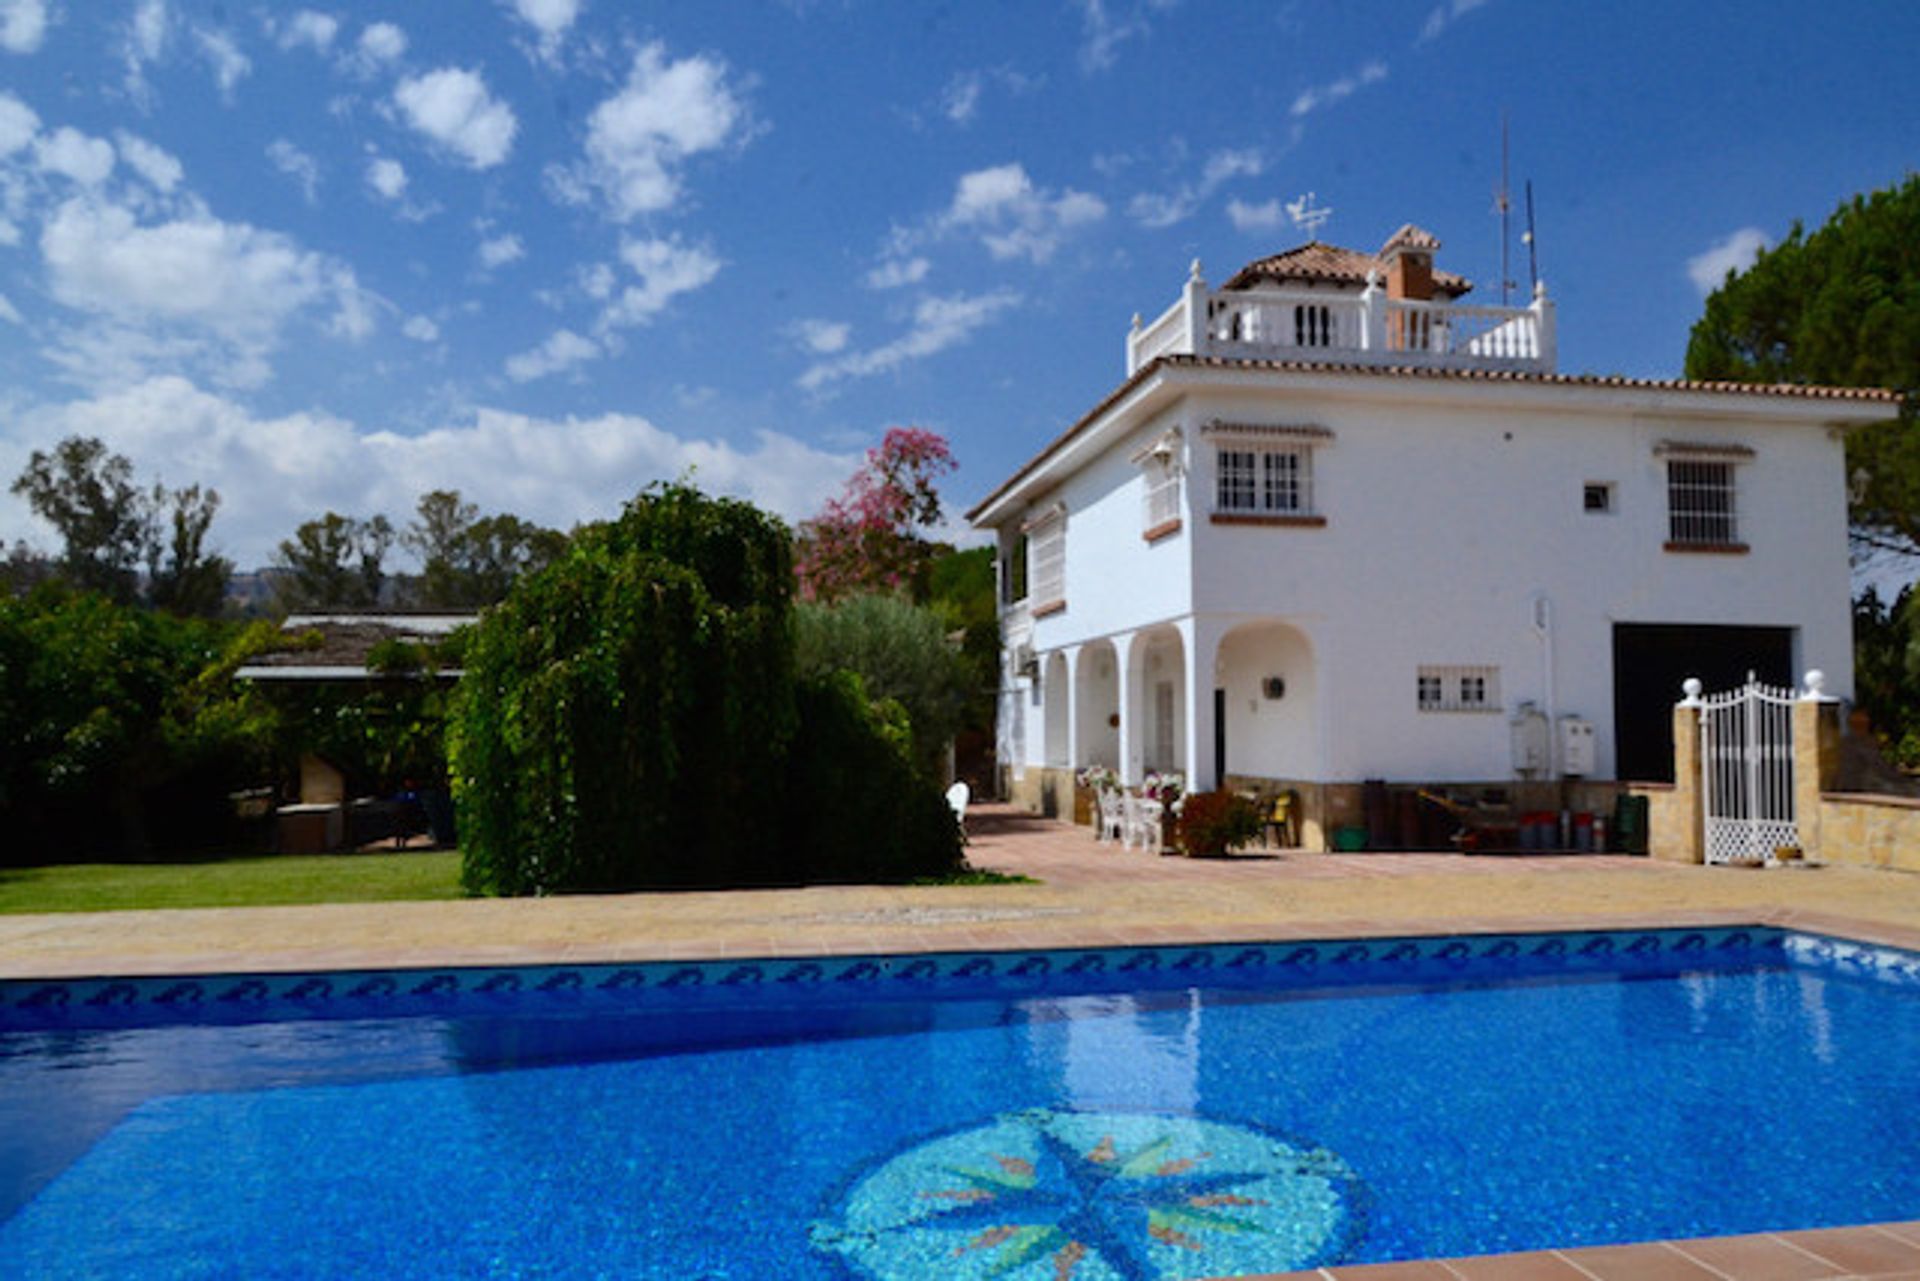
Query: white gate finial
[1816, 691]
[1691, 687]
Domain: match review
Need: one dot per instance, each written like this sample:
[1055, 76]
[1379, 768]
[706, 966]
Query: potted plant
[1214, 824]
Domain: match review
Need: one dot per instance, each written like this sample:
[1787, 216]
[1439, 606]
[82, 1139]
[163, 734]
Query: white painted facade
[1444, 528]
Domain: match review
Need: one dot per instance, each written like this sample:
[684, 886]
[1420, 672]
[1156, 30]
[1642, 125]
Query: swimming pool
[1189, 1111]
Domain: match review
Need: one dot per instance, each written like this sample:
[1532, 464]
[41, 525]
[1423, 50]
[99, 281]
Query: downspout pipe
[1543, 629]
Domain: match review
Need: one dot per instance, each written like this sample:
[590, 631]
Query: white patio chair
[1113, 822]
[1147, 825]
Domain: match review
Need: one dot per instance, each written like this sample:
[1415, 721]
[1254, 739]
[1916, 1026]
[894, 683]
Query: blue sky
[547, 251]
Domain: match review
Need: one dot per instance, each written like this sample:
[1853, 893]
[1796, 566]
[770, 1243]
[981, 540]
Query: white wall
[1443, 522]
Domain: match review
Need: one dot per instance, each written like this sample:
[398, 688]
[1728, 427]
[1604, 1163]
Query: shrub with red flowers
[1212, 824]
[868, 540]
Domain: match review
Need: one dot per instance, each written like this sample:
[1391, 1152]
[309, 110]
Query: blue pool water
[1133, 1113]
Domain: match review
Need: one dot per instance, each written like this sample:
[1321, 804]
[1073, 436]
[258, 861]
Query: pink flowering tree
[870, 539]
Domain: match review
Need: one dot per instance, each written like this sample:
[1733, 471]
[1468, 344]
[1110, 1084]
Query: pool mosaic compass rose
[1097, 1196]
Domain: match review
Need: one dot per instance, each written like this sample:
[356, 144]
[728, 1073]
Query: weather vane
[1308, 216]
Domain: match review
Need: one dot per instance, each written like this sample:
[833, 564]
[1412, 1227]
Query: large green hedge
[629, 718]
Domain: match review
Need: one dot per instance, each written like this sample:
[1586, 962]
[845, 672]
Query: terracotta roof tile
[1316, 261]
[1792, 391]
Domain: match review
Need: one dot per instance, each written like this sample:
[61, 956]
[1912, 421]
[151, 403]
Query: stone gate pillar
[1676, 822]
[1816, 758]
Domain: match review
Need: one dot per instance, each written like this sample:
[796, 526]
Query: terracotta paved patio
[1089, 895]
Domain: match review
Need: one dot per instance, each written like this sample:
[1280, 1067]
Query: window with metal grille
[1457, 689]
[1272, 481]
[1047, 561]
[1700, 505]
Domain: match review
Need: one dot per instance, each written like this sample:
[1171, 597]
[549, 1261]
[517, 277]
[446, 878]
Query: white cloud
[23, 25]
[297, 165]
[598, 280]
[1104, 28]
[501, 250]
[1012, 217]
[1318, 96]
[9, 312]
[159, 167]
[452, 107]
[1266, 216]
[145, 39]
[1444, 15]
[72, 154]
[938, 323]
[550, 20]
[1708, 270]
[421, 329]
[18, 124]
[562, 350]
[380, 45]
[194, 288]
[961, 98]
[666, 269]
[897, 272]
[275, 472]
[822, 337]
[311, 28]
[387, 177]
[223, 54]
[637, 140]
[1163, 209]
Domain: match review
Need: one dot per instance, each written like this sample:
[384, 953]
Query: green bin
[1350, 839]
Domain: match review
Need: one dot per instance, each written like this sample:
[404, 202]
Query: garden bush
[629, 717]
[900, 651]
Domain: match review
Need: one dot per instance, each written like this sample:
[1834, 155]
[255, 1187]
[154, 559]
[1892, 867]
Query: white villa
[1337, 525]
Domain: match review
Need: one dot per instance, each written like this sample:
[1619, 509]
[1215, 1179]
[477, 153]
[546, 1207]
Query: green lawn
[235, 882]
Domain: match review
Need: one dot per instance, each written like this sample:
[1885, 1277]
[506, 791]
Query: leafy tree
[900, 651]
[334, 562]
[1840, 306]
[182, 576]
[870, 538]
[89, 496]
[24, 568]
[469, 560]
[121, 729]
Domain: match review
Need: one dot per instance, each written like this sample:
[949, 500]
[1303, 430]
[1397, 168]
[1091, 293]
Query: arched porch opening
[1270, 698]
[1162, 713]
[1096, 706]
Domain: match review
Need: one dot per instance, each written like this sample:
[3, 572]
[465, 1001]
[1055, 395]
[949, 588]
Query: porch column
[1129, 655]
[1073, 711]
[1200, 638]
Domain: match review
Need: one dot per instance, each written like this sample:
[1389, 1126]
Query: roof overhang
[1165, 379]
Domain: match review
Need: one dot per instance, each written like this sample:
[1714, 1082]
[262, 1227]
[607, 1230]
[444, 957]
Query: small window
[1597, 497]
[1458, 689]
[1273, 482]
[1013, 573]
[1700, 507]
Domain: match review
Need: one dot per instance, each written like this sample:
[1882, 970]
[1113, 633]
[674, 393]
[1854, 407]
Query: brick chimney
[1408, 256]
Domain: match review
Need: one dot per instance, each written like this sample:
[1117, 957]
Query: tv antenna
[1308, 216]
[1503, 205]
[1533, 245]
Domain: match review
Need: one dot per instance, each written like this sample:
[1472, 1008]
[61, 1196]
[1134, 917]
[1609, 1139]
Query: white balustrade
[1364, 328]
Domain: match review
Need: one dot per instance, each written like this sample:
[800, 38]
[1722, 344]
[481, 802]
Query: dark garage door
[1649, 662]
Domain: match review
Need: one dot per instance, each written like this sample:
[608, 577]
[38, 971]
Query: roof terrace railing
[1363, 328]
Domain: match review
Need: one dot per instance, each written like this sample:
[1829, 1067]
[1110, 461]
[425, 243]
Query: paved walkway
[1090, 895]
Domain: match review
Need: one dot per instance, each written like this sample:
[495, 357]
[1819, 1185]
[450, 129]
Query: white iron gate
[1746, 772]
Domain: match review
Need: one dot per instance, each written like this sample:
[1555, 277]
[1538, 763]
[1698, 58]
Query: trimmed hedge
[630, 718]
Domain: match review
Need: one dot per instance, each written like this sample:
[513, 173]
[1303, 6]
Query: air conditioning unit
[1025, 663]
